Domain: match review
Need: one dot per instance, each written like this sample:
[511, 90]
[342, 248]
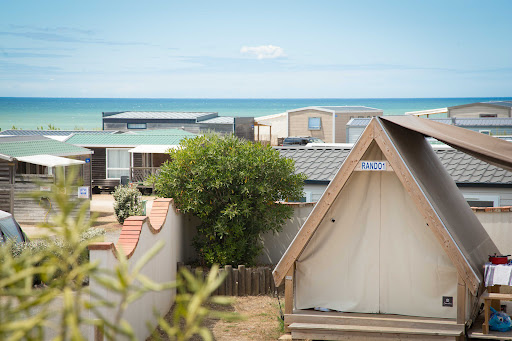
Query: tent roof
[50, 160]
[434, 192]
[491, 150]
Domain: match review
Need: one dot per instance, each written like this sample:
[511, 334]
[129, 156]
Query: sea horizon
[86, 112]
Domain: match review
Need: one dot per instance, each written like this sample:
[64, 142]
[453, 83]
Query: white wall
[161, 269]
[498, 224]
[279, 128]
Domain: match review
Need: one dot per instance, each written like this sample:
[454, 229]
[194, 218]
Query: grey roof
[460, 122]
[322, 163]
[358, 122]
[160, 115]
[20, 132]
[476, 121]
[344, 109]
[501, 103]
[467, 170]
[506, 104]
[220, 120]
[319, 164]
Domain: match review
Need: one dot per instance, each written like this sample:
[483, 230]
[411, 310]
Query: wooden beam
[288, 294]
[426, 210]
[461, 300]
[322, 207]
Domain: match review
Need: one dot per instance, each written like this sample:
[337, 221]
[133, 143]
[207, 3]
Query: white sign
[45, 188]
[373, 165]
[83, 192]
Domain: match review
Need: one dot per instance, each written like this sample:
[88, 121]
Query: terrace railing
[139, 174]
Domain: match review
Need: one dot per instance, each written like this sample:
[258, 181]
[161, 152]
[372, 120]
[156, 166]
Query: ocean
[85, 113]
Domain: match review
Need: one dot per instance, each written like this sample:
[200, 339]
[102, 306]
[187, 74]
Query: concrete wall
[476, 110]
[161, 268]
[298, 124]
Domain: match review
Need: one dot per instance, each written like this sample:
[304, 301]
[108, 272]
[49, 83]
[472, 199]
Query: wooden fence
[244, 281]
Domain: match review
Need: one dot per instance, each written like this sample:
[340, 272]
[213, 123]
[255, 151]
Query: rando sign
[373, 165]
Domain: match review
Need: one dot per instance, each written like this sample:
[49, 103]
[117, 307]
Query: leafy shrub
[64, 305]
[128, 202]
[232, 186]
[57, 247]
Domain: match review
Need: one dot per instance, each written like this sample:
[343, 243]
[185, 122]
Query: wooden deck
[475, 333]
[310, 324]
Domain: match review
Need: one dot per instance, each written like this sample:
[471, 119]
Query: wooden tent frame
[285, 270]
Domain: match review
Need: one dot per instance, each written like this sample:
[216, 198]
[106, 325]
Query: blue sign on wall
[87, 160]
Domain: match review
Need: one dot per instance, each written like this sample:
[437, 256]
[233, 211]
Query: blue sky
[256, 49]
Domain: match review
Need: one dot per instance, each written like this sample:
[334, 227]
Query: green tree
[233, 187]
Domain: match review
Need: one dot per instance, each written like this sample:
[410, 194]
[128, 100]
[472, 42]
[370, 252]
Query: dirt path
[260, 321]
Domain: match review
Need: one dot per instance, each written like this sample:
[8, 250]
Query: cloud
[264, 51]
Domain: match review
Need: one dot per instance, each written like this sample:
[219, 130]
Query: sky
[256, 49]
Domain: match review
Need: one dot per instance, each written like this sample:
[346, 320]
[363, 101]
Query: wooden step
[324, 331]
[370, 320]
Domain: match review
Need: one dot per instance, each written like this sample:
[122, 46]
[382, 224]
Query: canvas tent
[400, 240]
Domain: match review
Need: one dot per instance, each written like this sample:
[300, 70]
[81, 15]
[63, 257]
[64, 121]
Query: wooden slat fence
[242, 281]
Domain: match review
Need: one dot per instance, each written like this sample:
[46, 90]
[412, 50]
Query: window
[479, 200]
[118, 163]
[486, 132]
[137, 125]
[314, 123]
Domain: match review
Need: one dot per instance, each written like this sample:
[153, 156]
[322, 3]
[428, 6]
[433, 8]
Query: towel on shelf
[498, 274]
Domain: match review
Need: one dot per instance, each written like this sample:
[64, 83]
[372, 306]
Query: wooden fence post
[248, 281]
[241, 280]
[235, 282]
[229, 280]
[255, 283]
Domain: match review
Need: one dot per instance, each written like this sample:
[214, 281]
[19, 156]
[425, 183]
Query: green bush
[232, 186]
[128, 202]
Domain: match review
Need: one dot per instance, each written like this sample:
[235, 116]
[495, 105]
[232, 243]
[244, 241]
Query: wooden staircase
[352, 326]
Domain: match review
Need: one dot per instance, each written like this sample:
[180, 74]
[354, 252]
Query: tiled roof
[484, 121]
[466, 169]
[460, 122]
[321, 164]
[20, 132]
[160, 115]
[126, 140]
[318, 164]
[36, 145]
